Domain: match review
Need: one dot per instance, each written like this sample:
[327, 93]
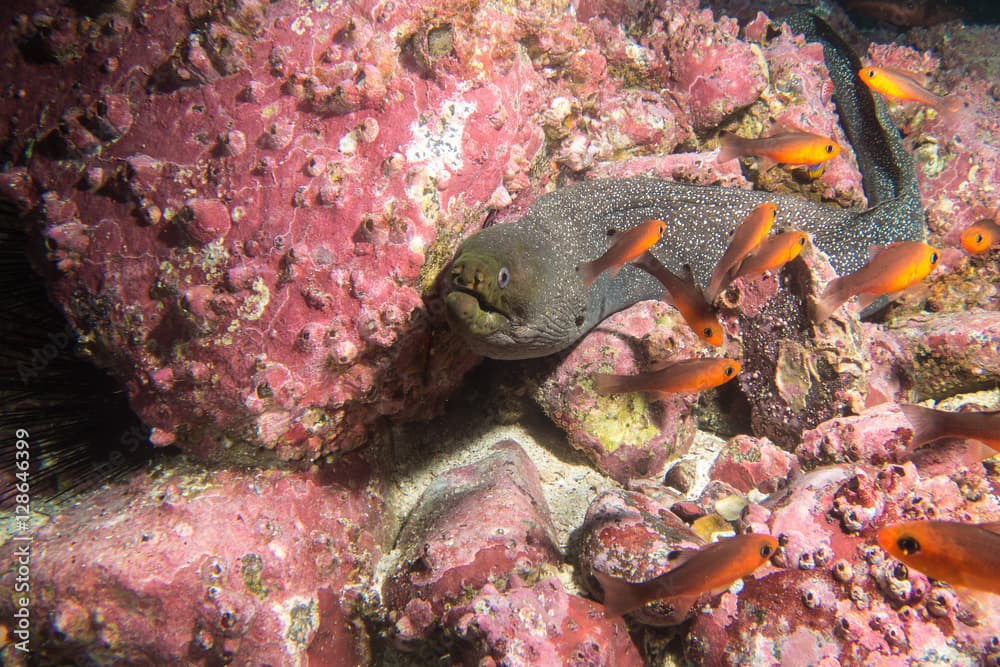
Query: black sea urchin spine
[71, 418]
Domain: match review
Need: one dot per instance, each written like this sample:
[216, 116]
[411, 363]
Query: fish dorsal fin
[679, 557]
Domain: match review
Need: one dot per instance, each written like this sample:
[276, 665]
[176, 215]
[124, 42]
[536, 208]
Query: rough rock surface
[475, 524]
[540, 625]
[214, 567]
[630, 435]
[839, 597]
[630, 535]
[242, 208]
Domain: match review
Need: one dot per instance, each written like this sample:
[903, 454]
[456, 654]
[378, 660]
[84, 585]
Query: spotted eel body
[513, 290]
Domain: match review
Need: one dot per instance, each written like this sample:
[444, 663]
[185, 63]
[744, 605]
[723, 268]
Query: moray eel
[512, 291]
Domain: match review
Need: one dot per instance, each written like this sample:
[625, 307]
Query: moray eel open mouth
[473, 299]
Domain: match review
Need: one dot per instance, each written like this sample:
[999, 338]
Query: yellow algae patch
[253, 307]
[620, 420]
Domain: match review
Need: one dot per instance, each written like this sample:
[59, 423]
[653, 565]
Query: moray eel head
[476, 299]
[503, 296]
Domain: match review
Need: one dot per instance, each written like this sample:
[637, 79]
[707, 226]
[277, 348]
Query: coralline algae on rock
[476, 524]
[214, 567]
[254, 197]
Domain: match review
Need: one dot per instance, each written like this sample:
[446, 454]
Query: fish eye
[979, 239]
[729, 371]
[829, 148]
[871, 74]
[707, 331]
[934, 258]
[673, 555]
[765, 551]
[503, 277]
[802, 240]
[908, 545]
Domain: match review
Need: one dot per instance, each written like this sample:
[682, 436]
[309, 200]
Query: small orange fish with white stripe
[902, 86]
[675, 377]
[963, 554]
[711, 569]
[625, 246]
[754, 228]
[773, 253]
[790, 148]
[981, 236]
[892, 269]
[685, 296]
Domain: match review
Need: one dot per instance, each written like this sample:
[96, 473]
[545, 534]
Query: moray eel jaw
[475, 301]
[501, 298]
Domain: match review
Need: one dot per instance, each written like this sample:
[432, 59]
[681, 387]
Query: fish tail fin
[926, 424]
[613, 271]
[607, 383]
[588, 272]
[951, 104]
[831, 299]
[712, 288]
[730, 147]
[620, 596]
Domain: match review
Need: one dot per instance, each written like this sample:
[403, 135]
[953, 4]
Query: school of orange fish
[945, 550]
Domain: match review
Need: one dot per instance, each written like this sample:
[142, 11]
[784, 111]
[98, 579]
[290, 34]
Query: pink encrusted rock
[876, 435]
[710, 68]
[187, 565]
[233, 200]
[539, 625]
[749, 463]
[473, 525]
[206, 220]
[953, 352]
[840, 599]
[632, 435]
[629, 535]
[957, 155]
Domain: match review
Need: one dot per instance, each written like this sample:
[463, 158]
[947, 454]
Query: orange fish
[711, 569]
[625, 246]
[892, 269]
[747, 236]
[963, 554]
[773, 253]
[677, 377]
[929, 425]
[902, 86]
[981, 236]
[687, 299]
[792, 148]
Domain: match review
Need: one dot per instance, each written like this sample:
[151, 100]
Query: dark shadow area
[72, 418]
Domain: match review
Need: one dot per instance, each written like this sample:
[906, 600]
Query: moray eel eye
[765, 551]
[503, 277]
[908, 545]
